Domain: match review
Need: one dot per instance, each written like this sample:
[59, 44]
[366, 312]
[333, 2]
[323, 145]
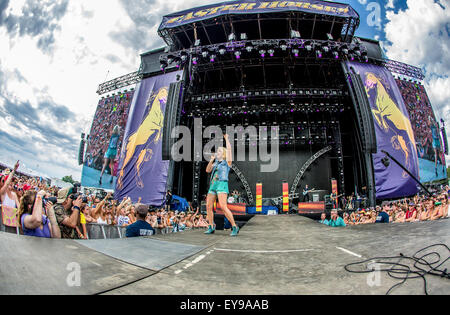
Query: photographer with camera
[67, 211]
[32, 219]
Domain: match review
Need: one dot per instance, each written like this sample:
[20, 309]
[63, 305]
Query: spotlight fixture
[295, 34]
[271, 52]
[336, 55]
[231, 37]
[237, 54]
[243, 36]
[163, 64]
[308, 46]
[249, 47]
[318, 54]
[295, 51]
[283, 45]
[329, 36]
[212, 58]
[184, 56]
[197, 43]
[205, 53]
[194, 60]
[262, 52]
[170, 59]
[222, 50]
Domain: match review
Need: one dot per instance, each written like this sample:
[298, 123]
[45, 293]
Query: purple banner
[254, 7]
[142, 173]
[393, 130]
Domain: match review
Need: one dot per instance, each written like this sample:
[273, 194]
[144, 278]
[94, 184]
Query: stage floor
[286, 254]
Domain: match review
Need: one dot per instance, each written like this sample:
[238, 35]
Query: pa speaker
[171, 118]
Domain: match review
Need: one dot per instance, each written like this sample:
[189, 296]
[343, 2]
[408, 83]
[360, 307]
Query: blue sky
[54, 53]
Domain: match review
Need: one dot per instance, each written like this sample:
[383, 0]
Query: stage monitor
[429, 142]
[393, 130]
[111, 111]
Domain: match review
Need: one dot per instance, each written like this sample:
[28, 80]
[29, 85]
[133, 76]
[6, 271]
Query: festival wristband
[76, 208]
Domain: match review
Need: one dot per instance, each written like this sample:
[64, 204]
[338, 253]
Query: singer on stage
[219, 171]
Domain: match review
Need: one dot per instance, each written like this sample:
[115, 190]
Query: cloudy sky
[53, 55]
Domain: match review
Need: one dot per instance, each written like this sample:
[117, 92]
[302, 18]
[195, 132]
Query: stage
[273, 255]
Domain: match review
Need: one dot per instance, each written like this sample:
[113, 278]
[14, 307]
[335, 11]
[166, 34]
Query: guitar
[305, 192]
[335, 198]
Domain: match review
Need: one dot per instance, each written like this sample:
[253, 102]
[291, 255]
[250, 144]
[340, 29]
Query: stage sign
[254, 7]
[141, 171]
[394, 133]
[430, 147]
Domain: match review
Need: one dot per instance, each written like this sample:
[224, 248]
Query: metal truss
[404, 69]
[126, 80]
[242, 178]
[263, 44]
[306, 166]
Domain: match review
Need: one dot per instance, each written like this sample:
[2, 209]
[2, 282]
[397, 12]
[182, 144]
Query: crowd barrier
[95, 231]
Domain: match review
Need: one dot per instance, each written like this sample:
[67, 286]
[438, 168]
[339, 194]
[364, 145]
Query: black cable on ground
[429, 263]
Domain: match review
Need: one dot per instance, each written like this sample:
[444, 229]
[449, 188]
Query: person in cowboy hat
[67, 212]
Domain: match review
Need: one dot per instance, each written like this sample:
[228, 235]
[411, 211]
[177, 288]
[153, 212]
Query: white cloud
[420, 35]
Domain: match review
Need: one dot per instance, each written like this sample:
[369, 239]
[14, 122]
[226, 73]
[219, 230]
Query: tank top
[113, 142]
[9, 202]
[37, 232]
[101, 221]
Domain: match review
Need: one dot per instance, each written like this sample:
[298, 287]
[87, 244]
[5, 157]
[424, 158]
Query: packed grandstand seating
[422, 117]
[111, 111]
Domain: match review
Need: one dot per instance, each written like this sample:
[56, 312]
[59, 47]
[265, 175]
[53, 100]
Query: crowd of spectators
[111, 111]
[422, 118]
[45, 211]
[417, 209]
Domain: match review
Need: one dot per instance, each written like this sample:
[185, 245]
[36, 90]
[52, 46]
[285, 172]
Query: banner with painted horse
[393, 130]
[142, 172]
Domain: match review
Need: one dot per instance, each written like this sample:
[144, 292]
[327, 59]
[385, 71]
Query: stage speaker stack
[171, 118]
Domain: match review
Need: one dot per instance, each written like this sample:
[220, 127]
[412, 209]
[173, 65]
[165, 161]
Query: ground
[285, 254]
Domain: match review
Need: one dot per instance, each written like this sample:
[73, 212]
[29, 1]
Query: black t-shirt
[168, 198]
[383, 217]
[139, 228]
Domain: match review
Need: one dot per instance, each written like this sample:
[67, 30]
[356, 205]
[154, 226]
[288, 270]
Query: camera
[75, 197]
[53, 200]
